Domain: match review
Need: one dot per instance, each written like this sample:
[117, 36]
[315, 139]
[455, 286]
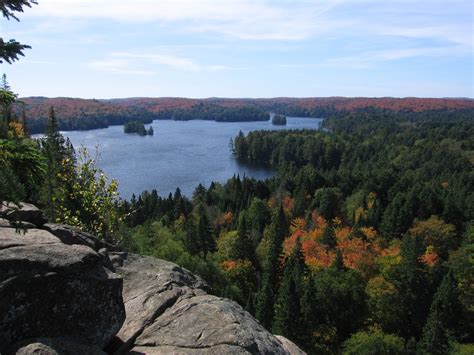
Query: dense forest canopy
[80, 114]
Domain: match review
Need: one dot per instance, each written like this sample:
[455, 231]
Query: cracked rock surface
[169, 312]
[50, 289]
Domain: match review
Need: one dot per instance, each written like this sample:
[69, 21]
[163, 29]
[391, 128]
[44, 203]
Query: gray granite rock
[289, 346]
[22, 212]
[169, 312]
[54, 346]
[70, 236]
[50, 289]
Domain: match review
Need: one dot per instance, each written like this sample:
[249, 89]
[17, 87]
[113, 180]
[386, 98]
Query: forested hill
[82, 114]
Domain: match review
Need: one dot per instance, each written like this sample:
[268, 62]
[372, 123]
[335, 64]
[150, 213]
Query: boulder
[50, 289]
[289, 346]
[70, 236]
[54, 346]
[22, 212]
[169, 312]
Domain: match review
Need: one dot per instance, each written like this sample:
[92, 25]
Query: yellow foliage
[16, 129]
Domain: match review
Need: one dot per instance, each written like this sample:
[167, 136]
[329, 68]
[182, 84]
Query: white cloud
[117, 66]
[143, 63]
[368, 59]
[161, 59]
[245, 19]
[282, 20]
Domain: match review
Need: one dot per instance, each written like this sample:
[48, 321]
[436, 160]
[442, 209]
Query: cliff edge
[63, 291]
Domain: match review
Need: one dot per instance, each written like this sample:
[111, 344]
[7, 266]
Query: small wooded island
[137, 127]
[279, 120]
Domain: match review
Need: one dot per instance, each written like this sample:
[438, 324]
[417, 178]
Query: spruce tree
[265, 298]
[206, 241]
[329, 237]
[338, 263]
[412, 283]
[11, 49]
[244, 248]
[60, 161]
[288, 305]
[309, 310]
[445, 308]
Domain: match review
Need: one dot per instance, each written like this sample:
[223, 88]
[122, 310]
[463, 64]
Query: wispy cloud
[172, 61]
[368, 59]
[278, 19]
[143, 63]
[245, 19]
[117, 66]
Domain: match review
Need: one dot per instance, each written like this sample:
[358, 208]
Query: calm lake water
[180, 154]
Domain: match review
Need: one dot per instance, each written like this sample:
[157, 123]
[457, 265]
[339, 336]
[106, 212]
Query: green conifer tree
[244, 248]
[445, 308]
[265, 298]
[288, 314]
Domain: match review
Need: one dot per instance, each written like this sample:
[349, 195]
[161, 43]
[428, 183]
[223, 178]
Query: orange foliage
[369, 232]
[358, 253]
[430, 257]
[229, 265]
[224, 220]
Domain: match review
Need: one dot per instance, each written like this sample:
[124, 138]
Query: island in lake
[137, 127]
[279, 120]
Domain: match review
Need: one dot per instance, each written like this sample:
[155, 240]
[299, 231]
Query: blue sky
[243, 48]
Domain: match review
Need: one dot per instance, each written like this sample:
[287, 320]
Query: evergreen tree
[444, 312]
[329, 237]
[10, 50]
[60, 160]
[244, 248]
[7, 99]
[309, 311]
[338, 263]
[411, 281]
[205, 239]
[265, 298]
[288, 305]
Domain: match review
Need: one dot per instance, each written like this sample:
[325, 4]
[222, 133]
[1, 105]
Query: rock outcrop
[50, 289]
[169, 312]
[63, 291]
[54, 346]
[24, 212]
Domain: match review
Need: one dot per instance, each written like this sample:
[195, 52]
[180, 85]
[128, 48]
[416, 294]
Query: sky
[242, 48]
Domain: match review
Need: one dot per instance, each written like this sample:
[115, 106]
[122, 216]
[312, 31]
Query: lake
[180, 154]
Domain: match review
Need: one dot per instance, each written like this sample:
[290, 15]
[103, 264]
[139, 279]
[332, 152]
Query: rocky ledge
[63, 291]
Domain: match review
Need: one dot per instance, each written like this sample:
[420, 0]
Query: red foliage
[37, 107]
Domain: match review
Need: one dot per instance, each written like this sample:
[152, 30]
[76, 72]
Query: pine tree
[205, 238]
[60, 160]
[244, 248]
[265, 298]
[412, 283]
[288, 304]
[309, 313]
[329, 238]
[338, 263]
[11, 49]
[438, 330]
